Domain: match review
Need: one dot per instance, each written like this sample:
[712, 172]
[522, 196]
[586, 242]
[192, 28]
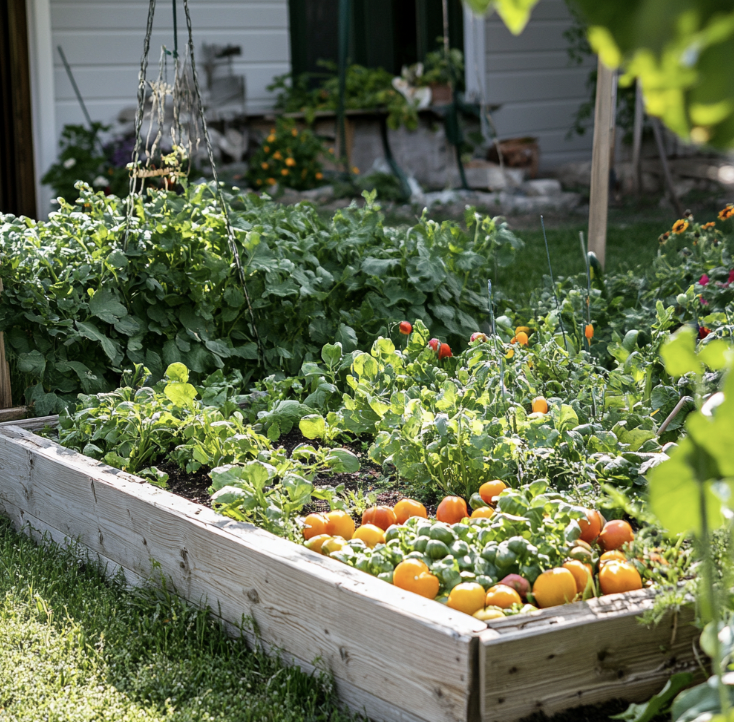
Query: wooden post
[637, 139]
[600, 161]
[6, 396]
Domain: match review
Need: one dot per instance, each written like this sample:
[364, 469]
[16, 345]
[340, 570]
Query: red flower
[406, 328]
[433, 344]
[731, 278]
[704, 280]
[444, 352]
[478, 336]
[703, 332]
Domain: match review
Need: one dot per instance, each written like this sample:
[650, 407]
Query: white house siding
[538, 89]
[103, 42]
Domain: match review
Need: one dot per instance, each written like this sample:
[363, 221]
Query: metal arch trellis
[135, 166]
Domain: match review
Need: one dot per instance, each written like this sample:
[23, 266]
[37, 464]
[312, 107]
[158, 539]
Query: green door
[383, 33]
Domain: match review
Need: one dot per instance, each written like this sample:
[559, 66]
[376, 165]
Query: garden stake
[494, 334]
[588, 286]
[553, 285]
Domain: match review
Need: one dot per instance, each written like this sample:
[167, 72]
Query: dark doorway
[17, 181]
[383, 33]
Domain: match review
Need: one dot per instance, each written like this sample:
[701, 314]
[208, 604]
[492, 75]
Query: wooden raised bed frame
[394, 656]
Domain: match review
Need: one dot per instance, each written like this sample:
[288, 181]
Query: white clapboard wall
[531, 77]
[103, 42]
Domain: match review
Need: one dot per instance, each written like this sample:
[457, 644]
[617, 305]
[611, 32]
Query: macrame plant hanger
[172, 166]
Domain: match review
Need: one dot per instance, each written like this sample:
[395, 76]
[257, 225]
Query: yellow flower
[355, 170]
[680, 226]
[266, 148]
[331, 150]
[271, 138]
[271, 181]
[264, 166]
[294, 132]
[277, 155]
[285, 171]
[726, 213]
[290, 162]
[706, 226]
[319, 176]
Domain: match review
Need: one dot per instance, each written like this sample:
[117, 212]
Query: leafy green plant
[365, 89]
[79, 306]
[288, 157]
[82, 157]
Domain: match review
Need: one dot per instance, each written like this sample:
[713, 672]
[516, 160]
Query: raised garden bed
[393, 655]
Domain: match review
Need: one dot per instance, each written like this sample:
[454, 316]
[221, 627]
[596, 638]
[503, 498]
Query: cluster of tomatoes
[576, 578]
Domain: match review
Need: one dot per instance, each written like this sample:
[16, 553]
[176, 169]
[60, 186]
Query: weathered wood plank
[416, 655]
[32, 424]
[581, 653]
[13, 414]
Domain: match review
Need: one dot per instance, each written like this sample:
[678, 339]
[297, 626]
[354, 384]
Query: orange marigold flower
[319, 176]
[271, 181]
[264, 166]
[259, 181]
[726, 213]
[355, 170]
[706, 226]
[266, 148]
[290, 162]
[277, 155]
[271, 138]
[294, 132]
[680, 226]
[285, 171]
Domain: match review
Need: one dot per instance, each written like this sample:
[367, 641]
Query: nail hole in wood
[253, 596]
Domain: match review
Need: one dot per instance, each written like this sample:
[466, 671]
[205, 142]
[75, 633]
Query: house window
[383, 33]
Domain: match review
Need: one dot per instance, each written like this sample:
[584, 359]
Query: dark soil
[195, 486]
[589, 713]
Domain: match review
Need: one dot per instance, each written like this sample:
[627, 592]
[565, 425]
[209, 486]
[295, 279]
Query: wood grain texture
[13, 414]
[600, 162]
[380, 643]
[33, 424]
[581, 653]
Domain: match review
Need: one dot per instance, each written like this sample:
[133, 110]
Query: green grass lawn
[75, 647]
[628, 245]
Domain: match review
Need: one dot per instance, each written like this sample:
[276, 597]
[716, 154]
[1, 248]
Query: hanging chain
[139, 122]
[218, 190]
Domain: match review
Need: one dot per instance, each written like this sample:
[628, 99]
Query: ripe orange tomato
[382, 516]
[314, 524]
[582, 573]
[316, 542]
[452, 510]
[522, 338]
[614, 556]
[554, 587]
[483, 512]
[370, 534]
[467, 597]
[406, 508]
[490, 490]
[522, 329]
[616, 577]
[502, 596]
[414, 576]
[591, 526]
[589, 332]
[339, 523]
[540, 405]
[615, 534]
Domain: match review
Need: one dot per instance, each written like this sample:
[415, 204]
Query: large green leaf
[104, 305]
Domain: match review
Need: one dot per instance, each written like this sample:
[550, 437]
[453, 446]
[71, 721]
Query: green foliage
[78, 307]
[289, 157]
[682, 53]
[365, 89]
[82, 158]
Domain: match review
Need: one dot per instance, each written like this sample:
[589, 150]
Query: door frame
[43, 98]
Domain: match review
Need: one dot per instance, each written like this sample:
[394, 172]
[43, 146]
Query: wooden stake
[637, 139]
[600, 161]
[6, 396]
